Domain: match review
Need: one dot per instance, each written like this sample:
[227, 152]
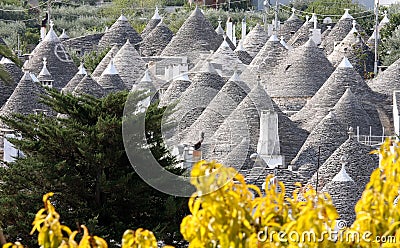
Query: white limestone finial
[224, 42]
[5, 60]
[122, 18]
[51, 35]
[146, 78]
[346, 15]
[82, 69]
[44, 71]
[27, 76]
[351, 131]
[345, 63]
[273, 38]
[240, 46]
[385, 19]
[156, 15]
[342, 176]
[235, 77]
[110, 70]
[354, 29]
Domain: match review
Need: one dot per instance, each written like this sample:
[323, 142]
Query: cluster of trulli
[276, 102]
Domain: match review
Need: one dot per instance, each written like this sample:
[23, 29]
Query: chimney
[268, 147]
[244, 26]
[234, 35]
[229, 28]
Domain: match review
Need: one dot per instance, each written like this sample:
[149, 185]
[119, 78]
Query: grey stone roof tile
[303, 34]
[221, 106]
[205, 86]
[338, 33]
[104, 62]
[195, 35]
[59, 62]
[243, 122]
[175, 90]
[354, 48]
[329, 134]
[290, 27]
[329, 94]
[359, 164]
[300, 75]
[88, 86]
[228, 59]
[255, 40]
[25, 98]
[270, 55]
[118, 33]
[156, 40]
[388, 80]
[129, 64]
[75, 80]
[110, 80]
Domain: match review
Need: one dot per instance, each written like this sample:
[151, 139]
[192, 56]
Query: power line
[309, 13]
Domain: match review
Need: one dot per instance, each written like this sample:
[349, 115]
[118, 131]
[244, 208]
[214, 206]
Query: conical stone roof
[221, 106]
[329, 134]
[354, 48]
[110, 80]
[329, 94]
[7, 88]
[13, 70]
[239, 157]
[255, 40]
[175, 90]
[75, 80]
[345, 194]
[258, 174]
[205, 86]
[195, 35]
[146, 83]
[228, 59]
[243, 122]
[129, 64]
[25, 98]
[59, 62]
[156, 40]
[360, 164]
[338, 32]
[388, 80]
[300, 75]
[266, 60]
[87, 86]
[154, 21]
[290, 26]
[352, 114]
[118, 33]
[104, 62]
[303, 34]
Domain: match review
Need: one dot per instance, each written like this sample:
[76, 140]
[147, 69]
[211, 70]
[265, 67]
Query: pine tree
[81, 156]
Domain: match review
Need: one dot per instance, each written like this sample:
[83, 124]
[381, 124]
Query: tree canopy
[81, 157]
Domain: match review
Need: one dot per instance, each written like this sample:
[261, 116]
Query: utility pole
[276, 16]
[376, 37]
